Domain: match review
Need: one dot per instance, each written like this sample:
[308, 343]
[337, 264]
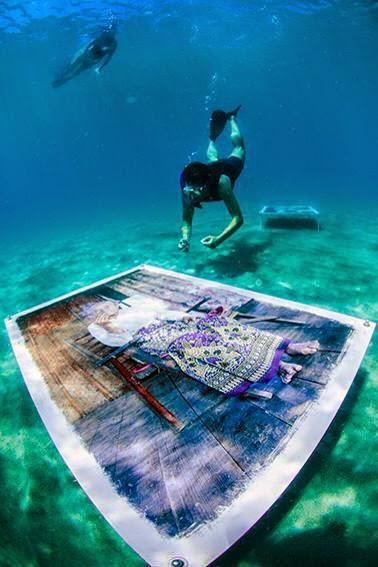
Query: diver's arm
[186, 227]
[104, 61]
[233, 207]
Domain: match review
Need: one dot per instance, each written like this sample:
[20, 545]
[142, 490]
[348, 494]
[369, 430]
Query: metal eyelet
[178, 562]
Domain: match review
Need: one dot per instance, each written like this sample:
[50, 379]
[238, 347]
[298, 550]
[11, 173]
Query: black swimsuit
[231, 166]
[102, 45]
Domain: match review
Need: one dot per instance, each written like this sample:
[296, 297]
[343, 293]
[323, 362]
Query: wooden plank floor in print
[179, 479]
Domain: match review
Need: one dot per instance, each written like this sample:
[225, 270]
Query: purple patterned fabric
[217, 350]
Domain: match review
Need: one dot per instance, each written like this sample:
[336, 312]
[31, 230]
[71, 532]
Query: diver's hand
[97, 70]
[210, 241]
[184, 245]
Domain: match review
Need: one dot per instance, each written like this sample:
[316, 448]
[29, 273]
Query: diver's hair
[196, 174]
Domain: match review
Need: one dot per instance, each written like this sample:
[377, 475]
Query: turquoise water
[46, 518]
[89, 189]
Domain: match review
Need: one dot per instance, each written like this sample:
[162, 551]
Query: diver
[97, 53]
[214, 181]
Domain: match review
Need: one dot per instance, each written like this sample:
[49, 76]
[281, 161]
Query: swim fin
[218, 121]
[233, 112]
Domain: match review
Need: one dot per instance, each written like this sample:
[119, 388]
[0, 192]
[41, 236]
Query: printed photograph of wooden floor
[181, 460]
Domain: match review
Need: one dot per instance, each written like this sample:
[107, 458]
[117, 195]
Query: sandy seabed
[327, 516]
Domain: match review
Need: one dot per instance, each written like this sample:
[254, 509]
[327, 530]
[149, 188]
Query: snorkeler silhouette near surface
[97, 53]
[214, 181]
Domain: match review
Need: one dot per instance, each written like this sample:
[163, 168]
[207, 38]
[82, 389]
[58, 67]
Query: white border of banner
[210, 541]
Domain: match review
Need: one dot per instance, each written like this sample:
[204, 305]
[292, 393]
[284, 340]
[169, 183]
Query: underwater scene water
[89, 187]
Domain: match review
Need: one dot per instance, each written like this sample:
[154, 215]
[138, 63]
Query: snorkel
[194, 194]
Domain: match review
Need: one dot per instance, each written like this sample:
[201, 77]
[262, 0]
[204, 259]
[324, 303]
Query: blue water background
[89, 187]
[304, 72]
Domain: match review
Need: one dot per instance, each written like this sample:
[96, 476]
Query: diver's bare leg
[212, 152]
[72, 70]
[237, 140]
[81, 61]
